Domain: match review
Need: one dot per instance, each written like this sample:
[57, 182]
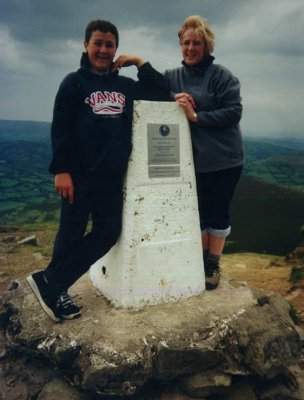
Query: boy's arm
[62, 136]
[126, 60]
[151, 85]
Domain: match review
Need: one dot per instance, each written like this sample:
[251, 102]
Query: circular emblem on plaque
[164, 130]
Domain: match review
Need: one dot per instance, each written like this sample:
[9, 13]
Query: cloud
[149, 44]
[13, 54]
[275, 28]
[259, 41]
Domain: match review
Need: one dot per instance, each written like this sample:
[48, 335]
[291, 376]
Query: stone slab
[114, 351]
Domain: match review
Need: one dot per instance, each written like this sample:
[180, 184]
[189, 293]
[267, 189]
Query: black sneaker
[212, 275]
[45, 295]
[66, 308]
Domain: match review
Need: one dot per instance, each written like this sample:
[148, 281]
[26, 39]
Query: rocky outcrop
[10, 239]
[29, 240]
[204, 342]
[296, 256]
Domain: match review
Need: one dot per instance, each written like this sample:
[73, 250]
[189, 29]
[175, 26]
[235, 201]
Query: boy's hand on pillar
[64, 186]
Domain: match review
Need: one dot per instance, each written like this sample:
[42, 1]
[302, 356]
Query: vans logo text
[106, 102]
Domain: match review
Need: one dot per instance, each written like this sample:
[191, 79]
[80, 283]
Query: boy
[91, 141]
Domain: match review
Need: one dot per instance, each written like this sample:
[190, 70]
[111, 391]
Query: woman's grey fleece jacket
[216, 137]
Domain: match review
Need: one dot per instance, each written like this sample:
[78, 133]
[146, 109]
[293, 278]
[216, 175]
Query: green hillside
[274, 163]
[267, 210]
[24, 178]
[266, 218]
[32, 131]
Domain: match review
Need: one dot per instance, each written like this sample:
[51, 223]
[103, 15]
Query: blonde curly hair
[202, 28]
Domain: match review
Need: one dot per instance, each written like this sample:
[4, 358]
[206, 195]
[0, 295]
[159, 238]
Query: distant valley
[279, 161]
[267, 212]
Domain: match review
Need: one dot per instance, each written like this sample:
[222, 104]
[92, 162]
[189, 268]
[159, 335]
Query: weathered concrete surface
[115, 352]
[158, 256]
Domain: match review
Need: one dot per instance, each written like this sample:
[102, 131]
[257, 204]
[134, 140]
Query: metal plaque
[163, 150]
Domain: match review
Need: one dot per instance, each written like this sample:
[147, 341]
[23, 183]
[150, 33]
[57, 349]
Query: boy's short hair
[102, 26]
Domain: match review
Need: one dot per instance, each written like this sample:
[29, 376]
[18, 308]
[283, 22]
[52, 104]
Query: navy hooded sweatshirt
[92, 119]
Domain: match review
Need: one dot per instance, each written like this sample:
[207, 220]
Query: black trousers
[215, 191]
[76, 249]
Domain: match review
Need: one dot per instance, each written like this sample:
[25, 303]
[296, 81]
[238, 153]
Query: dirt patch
[17, 260]
[267, 272]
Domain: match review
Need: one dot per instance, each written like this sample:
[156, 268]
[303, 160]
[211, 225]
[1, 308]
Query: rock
[184, 361]
[296, 257]
[206, 384]
[38, 256]
[61, 350]
[289, 386]
[173, 394]
[13, 389]
[266, 352]
[58, 389]
[9, 239]
[232, 330]
[3, 316]
[29, 240]
[21, 379]
[3, 346]
[280, 304]
[242, 391]
[280, 263]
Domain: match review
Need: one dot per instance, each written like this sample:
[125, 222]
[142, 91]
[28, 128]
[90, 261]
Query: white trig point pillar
[158, 257]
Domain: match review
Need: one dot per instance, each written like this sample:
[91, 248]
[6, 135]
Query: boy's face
[101, 49]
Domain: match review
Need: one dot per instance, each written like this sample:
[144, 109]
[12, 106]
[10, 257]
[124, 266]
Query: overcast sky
[260, 41]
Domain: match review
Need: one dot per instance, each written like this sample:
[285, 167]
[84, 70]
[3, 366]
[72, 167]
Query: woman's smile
[192, 46]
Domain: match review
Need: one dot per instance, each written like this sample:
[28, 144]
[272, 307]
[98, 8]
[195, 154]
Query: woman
[210, 97]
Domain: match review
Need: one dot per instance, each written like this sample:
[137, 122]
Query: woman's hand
[187, 102]
[183, 95]
[64, 186]
[126, 60]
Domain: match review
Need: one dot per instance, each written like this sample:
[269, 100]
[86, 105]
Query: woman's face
[192, 46]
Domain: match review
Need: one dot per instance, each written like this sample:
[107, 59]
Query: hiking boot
[66, 308]
[44, 294]
[212, 275]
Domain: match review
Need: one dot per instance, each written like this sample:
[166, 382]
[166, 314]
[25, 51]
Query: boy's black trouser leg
[73, 223]
[75, 253]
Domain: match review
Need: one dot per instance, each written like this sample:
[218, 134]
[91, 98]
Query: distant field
[275, 164]
[267, 212]
[24, 177]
